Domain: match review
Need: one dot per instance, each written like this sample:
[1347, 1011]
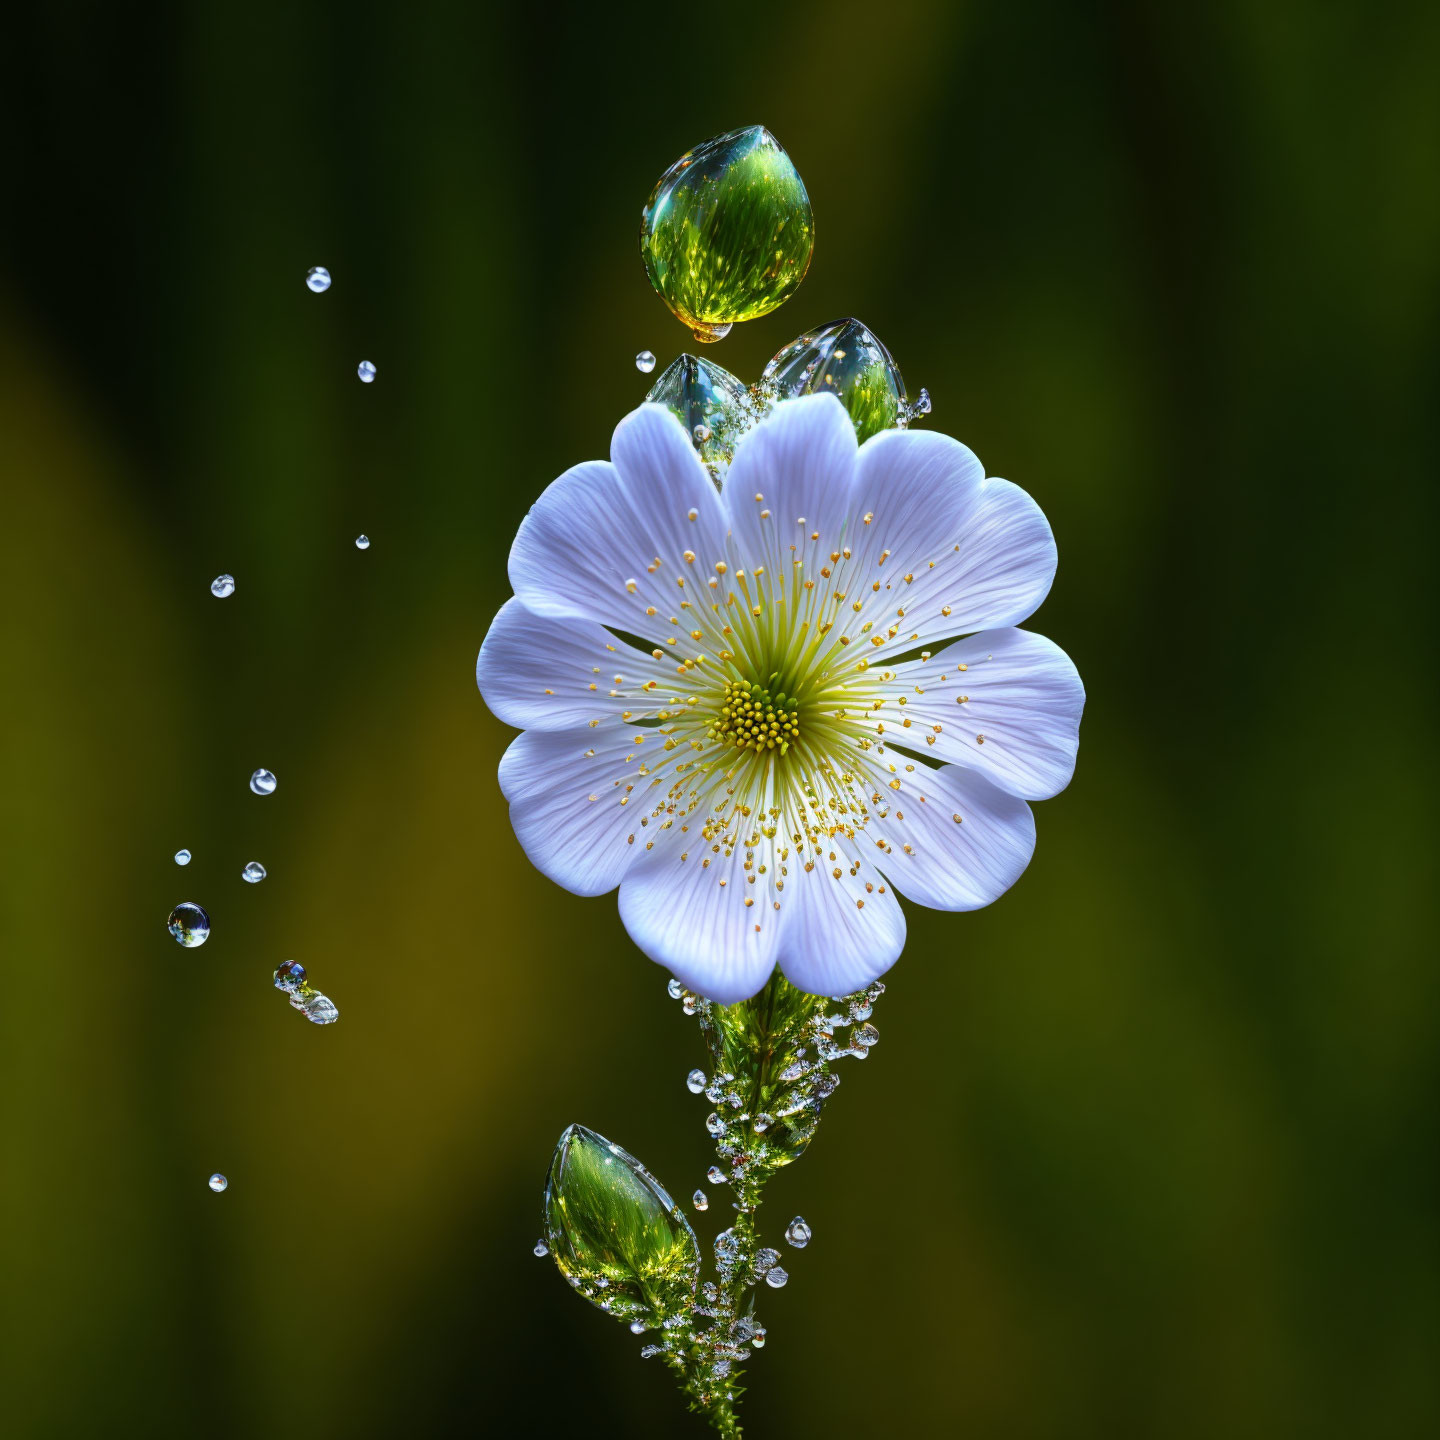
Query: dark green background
[1145, 1149]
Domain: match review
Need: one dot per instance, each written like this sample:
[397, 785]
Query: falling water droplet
[775, 1277]
[317, 1008]
[366, 371]
[189, 924]
[715, 1175]
[645, 362]
[700, 1200]
[262, 782]
[362, 542]
[695, 1081]
[728, 232]
[217, 1182]
[222, 585]
[182, 857]
[317, 279]
[797, 1232]
[289, 976]
[541, 1248]
[254, 872]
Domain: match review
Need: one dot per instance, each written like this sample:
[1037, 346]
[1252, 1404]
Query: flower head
[753, 712]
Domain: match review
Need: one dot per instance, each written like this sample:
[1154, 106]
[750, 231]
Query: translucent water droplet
[317, 1008]
[645, 362]
[727, 1246]
[289, 976]
[317, 279]
[649, 1350]
[362, 542]
[674, 989]
[695, 1081]
[763, 1123]
[713, 405]
[688, 1005]
[728, 232]
[700, 1200]
[715, 1175]
[922, 405]
[797, 1232]
[222, 585]
[366, 371]
[189, 924]
[775, 1277]
[637, 1327]
[217, 1182]
[843, 359]
[765, 1259]
[182, 857]
[714, 1124]
[861, 1010]
[262, 782]
[253, 873]
[541, 1248]
[758, 1339]
[866, 1035]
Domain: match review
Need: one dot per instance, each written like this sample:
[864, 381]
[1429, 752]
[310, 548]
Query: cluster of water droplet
[317, 1008]
[761, 1121]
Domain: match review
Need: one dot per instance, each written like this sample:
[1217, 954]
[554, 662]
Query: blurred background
[1147, 1148]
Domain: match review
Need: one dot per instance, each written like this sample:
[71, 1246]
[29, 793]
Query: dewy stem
[772, 1059]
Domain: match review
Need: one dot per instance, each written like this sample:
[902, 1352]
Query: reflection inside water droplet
[262, 782]
[222, 585]
[254, 872]
[189, 924]
[217, 1182]
[317, 279]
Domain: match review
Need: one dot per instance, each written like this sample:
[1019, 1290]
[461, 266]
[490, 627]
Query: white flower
[761, 778]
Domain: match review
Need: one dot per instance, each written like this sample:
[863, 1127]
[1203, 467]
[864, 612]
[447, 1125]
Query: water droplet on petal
[541, 1248]
[189, 924]
[775, 1277]
[843, 359]
[182, 857]
[262, 782]
[700, 1200]
[317, 279]
[695, 1081]
[728, 232]
[366, 371]
[798, 1233]
[253, 873]
[712, 404]
[222, 585]
[645, 362]
[362, 542]
[217, 1182]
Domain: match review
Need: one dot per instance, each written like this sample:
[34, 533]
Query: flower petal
[1018, 690]
[684, 906]
[550, 673]
[797, 465]
[570, 807]
[840, 934]
[952, 840]
[609, 541]
[966, 553]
